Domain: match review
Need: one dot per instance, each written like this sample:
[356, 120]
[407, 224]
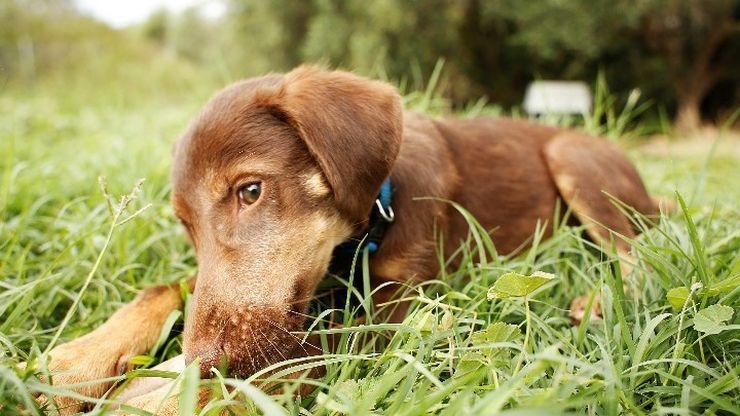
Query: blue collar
[381, 217]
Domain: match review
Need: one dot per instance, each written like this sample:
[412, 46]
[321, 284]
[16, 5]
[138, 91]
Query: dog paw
[579, 308]
[163, 400]
[82, 367]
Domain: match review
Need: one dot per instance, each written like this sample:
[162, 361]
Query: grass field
[457, 353]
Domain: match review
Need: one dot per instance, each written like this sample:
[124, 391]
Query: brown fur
[321, 143]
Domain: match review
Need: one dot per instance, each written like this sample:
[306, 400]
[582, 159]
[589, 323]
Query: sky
[119, 13]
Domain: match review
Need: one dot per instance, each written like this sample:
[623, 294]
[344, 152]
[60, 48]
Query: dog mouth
[246, 343]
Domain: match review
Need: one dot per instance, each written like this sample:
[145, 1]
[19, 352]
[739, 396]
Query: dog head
[268, 179]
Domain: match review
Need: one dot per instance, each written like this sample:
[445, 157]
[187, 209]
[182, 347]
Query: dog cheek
[322, 233]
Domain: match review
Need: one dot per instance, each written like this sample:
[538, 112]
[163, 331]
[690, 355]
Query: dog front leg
[106, 351]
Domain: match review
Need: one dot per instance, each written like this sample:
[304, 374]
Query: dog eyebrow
[220, 180]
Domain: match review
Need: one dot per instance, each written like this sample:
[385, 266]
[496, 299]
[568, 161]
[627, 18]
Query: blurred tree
[682, 54]
[698, 41]
[37, 35]
[48, 42]
[267, 35]
[193, 37]
[488, 57]
[694, 42]
[155, 28]
[386, 37]
[187, 34]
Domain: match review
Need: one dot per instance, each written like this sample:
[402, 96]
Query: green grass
[457, 352]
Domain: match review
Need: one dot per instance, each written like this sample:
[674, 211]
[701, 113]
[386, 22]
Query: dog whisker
[310, 298]
[262, 333]
[300, 341]
[314, 318]
[261, 351]
[251, 361]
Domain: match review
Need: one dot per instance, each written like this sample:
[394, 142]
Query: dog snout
[243, 342]
[210, 355]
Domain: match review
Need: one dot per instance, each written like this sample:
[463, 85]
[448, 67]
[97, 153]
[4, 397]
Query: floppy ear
[351, 125]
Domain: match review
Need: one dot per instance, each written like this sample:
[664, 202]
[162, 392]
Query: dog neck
[381, 217]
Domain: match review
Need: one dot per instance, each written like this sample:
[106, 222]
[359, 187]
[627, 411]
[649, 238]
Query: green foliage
[566, 32]
[497, 332]
[712, 320]
[517, 285]
[677, 297]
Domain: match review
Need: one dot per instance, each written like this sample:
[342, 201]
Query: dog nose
[210, 356]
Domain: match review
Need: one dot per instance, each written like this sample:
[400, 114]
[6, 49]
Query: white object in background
[557, 97]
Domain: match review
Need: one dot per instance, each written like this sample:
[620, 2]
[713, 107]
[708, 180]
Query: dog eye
[250, 193]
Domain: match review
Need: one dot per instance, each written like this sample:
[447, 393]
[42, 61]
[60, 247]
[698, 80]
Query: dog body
[492, 167]
[277, 171]
[509, 174]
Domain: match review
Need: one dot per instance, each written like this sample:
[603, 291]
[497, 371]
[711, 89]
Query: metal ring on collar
[389, 215]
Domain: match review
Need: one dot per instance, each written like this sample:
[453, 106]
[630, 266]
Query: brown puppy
[279, 170]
